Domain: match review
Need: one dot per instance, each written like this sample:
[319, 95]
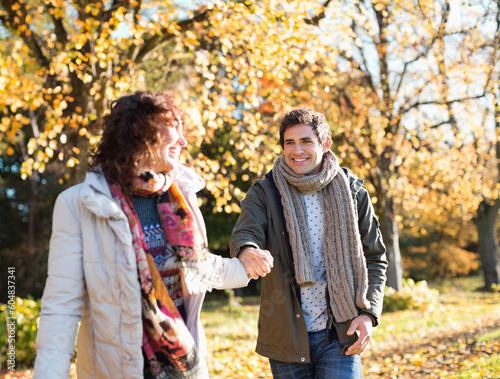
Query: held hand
[257, 262]
[362, 324]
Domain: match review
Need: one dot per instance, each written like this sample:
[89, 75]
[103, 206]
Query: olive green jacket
[282, 329]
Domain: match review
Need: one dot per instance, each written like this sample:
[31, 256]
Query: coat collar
[96, 196]
[188, 180]
[354, 182]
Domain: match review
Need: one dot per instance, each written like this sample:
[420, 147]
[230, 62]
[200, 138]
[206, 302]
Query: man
[325, 291]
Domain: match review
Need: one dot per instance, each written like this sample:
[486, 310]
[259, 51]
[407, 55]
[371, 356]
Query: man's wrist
[242, 249]
[372, 317]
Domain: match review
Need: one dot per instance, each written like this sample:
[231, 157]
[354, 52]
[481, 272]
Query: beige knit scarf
[344, 259]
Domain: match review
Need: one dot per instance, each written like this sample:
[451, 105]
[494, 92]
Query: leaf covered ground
[459, 338]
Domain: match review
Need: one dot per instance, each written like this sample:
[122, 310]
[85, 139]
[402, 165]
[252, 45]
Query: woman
[128, 256]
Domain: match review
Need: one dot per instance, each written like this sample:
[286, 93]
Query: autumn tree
[393, 79]
[64, 61]
[61, 63]
[487, 212]
[246, 57]
[407, 107]
[67, 59]
[396, 79]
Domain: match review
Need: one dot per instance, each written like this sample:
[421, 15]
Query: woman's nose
[182, 141]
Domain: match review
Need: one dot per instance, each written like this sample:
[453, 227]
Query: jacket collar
[354, 182]
[96, 196]
[187, 179]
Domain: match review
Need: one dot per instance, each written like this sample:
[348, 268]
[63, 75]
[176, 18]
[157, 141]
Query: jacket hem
[271, 353]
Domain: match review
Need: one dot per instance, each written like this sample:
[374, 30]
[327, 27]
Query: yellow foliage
[241, 66]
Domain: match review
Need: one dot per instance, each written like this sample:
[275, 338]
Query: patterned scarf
[166, 335]
[344, 259]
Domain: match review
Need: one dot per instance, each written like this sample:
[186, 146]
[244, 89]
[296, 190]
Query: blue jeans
[326, 362]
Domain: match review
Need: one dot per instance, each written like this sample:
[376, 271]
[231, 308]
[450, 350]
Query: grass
[458, 338]
[484, 368]
[494, 335]
[231, 337]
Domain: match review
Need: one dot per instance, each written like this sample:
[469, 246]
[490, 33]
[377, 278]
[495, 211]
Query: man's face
[302, 150]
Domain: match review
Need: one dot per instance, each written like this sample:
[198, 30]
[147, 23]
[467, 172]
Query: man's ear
[327, 144]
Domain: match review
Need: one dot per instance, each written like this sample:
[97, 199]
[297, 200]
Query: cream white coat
[92, 278]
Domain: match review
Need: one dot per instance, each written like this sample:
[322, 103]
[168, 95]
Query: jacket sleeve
[228, 273]
[214, 272]
[250, 228]
[218, 272]
[374, 250]
[63, 295]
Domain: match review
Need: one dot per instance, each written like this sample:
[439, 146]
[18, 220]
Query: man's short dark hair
[308, 116]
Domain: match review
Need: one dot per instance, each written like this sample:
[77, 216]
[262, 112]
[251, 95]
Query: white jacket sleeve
[215, 272]
[228, 273]
[63, 294]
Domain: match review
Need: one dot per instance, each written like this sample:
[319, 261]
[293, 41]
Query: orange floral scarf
[166, 336]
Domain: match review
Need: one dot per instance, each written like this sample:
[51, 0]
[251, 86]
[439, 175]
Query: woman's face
[169, 148]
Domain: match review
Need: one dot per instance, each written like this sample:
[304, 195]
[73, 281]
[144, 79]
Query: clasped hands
[257, 262]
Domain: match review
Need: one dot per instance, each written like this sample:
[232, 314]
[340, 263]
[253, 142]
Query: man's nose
[298, 147]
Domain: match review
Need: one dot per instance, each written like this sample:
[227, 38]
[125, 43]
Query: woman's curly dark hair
[131, 134]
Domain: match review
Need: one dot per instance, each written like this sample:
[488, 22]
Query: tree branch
[418, 57]
[137, 8]
[59, 29]
[443, 103]
[107, 14]
[14, 21]
[367, 74]
[316, 19]
[164, 36]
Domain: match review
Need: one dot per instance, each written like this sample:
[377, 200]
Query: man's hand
[257, 262]
[363, 324]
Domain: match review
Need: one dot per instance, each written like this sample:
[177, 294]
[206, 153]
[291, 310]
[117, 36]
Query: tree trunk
[486, 223]
[33, 203]
[390, 233]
